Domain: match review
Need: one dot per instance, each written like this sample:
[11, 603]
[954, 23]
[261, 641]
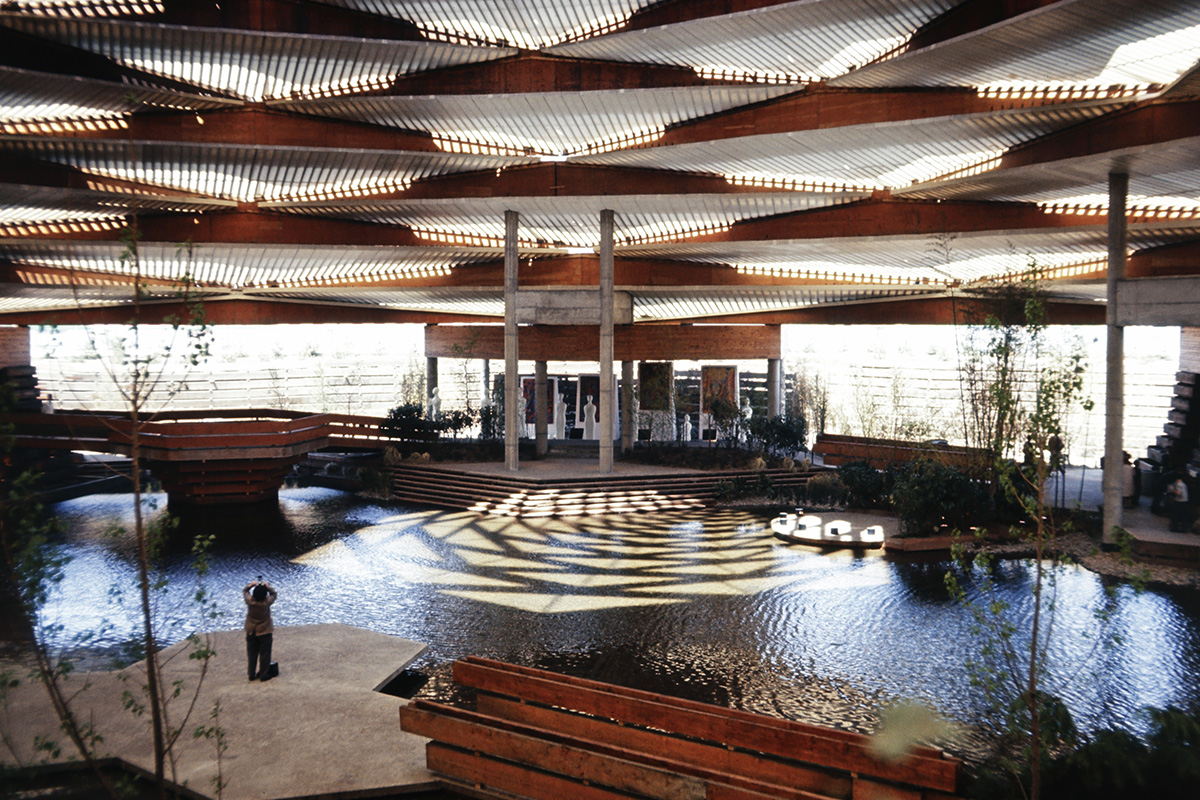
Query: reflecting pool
[705, 605]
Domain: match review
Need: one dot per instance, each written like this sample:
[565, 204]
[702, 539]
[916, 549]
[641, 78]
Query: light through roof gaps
[530, 24]
[254, 66]
[799, 41]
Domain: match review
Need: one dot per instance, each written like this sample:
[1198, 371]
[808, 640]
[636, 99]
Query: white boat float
[801, 528]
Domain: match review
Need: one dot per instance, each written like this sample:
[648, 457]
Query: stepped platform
[566, 487]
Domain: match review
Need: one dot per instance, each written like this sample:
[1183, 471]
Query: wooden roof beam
[249, 226]
[1165, 261]
[968, 17]
[818, 107]
[669, 12]
[286, 15]
[883, 216]
[256, 125]
[915, 311]
[537, 72]
[1151, 123]
[235, 311]
[569, 180]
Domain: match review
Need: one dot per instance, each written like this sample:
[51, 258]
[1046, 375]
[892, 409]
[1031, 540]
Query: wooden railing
[241, 432]
[536, 734]
[837, 450]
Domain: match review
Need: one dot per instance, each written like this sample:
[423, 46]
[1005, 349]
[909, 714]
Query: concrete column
[606, 341]
[628, 424]
[540, 397]
[431, 383]
[485, 398]
[512, 392]
[774, 387]
[1114, 393]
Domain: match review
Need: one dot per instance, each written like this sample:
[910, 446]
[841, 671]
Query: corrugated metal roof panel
[883, 155]
[32, 205]
[800, 41]
[574, 221]
[550, 123]
[38, 96]
[700, 302]
[251, 173]
[442, 300]
[1161, 172]
[525, 23]
[251, 65]
[1092, 42]
[238, 265]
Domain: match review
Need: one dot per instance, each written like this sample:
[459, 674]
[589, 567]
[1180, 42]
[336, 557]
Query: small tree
[1011, 666]
[137, 368]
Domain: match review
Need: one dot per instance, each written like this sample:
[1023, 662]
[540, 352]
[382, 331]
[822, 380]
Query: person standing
[1177, 505]
[259, 595]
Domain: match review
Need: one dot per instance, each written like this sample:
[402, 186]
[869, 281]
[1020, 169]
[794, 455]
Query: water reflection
[702, 604]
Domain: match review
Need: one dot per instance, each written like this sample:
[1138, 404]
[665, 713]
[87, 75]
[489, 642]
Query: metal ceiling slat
[259, 57]
[1051, 43]
[797, 39]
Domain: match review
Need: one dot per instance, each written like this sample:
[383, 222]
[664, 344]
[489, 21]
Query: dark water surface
[705, 605]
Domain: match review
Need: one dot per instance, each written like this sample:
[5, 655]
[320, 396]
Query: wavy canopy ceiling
[764, 160]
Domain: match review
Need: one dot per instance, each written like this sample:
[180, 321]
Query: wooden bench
[837, 450]
[539, 735]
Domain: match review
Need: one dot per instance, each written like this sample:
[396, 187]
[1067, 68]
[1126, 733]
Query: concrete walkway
[321, 729]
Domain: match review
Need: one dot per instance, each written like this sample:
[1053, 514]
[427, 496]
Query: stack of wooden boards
[537, 734]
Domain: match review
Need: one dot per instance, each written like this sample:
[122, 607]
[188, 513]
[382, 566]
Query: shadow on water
[707, 606]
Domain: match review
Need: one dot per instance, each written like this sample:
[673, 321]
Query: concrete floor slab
[320, 729]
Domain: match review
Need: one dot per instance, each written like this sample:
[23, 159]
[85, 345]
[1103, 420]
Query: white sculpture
[589, 419]
[435, 405]
[560, 417]
[687, 427]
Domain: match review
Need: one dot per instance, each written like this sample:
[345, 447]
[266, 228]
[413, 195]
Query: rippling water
[704, 605]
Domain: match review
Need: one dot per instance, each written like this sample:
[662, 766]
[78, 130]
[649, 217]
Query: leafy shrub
[1112, 763]
[866, 487]
[407, 422]
[491, 422]
[779, 436]
[456, 421]
[929, 493]
[825, 489]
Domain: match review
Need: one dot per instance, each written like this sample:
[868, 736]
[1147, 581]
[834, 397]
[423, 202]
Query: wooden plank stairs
[537, 735]
[516, 496]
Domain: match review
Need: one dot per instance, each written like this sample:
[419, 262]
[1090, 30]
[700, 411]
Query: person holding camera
[259, 595]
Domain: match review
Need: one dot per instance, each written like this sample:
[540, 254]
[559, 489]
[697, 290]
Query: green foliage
[866, 487]
[742, 486]
[929, 494]
[726, 418]
[778, 436]
[1110, 763]
[491, 422]
[825, 489]
[407, 422]
[457, 421]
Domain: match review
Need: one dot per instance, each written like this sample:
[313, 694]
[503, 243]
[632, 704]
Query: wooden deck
[543, 736]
